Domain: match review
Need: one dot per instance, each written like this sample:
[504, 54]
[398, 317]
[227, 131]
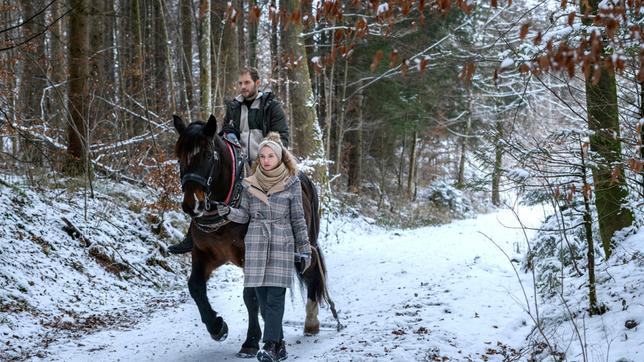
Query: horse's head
[199, 151]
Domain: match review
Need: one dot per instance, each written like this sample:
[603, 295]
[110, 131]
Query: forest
[406, 113]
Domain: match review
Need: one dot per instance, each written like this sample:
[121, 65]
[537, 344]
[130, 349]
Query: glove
[222, 209]
[302, 262]
[229, 128]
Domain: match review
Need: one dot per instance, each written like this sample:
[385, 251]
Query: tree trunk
[588, 229]
[77, 131]
[241, 35]
[226, 61]
[166, 63]
[253, 27]
[132, 68]
[100, 81]
[160, 98]
[355, 154]
[401, 164]
[498, 163]
[306, 131]
[608, 173]
[186, 56]
[641, 144]
[56, 96]
[460, 177]
[275, 72]
[412, 163]
[33, 76]
[205, 75]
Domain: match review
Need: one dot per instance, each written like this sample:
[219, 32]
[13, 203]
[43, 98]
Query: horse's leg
[314, 283]
[254, 334]
[201, 270]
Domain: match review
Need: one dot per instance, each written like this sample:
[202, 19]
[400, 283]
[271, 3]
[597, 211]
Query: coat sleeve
[298, 223]
[278, 122]
[241, 214]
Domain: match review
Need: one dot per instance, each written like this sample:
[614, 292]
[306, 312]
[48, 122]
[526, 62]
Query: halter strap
[233, 175]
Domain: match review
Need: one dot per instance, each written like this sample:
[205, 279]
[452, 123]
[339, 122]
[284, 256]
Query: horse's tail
[314, 227]
[319, 281]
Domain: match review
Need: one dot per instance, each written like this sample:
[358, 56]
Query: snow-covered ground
[428, 294]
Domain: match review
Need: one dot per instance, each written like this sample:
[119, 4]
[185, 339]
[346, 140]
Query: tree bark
[411, 176]
[56, 96]
[101, 80]
[165, 63]
[226, 51]
[241, 35]
[641, 143]
[306, 131]
[253, 27]
[205, 58]
[608, 173]
[275, 72]
[588, 229]
[498, 163]
[355, 154]
[33, 76]
[186, 11]
[78, 126]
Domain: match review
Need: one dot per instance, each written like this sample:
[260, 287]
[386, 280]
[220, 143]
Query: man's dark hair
[254, 74]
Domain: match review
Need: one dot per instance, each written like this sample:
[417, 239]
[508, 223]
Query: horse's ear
[178, 123]
[211, 126]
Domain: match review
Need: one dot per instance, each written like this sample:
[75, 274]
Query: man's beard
[252, 94]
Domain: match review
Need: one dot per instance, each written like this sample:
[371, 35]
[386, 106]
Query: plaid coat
[277, 228]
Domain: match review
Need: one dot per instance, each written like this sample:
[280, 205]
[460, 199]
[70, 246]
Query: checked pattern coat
[276, 229]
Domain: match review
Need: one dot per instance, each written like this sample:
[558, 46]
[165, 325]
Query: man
[250, 116]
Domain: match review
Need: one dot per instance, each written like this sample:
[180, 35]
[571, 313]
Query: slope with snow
[447, 292]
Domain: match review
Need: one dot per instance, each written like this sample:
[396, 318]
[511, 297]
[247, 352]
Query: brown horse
[208, 167]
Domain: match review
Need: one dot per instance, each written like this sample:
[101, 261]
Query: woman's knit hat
[274, 143]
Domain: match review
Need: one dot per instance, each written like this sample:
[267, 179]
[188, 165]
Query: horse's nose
[186, 208]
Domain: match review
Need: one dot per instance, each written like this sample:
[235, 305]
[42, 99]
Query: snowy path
[403, 295]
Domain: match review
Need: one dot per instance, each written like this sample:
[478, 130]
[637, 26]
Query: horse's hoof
[247, 352]
[311, 330]
[222, 334]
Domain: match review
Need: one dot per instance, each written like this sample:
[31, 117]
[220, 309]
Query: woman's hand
[222, 209]
[302, 262]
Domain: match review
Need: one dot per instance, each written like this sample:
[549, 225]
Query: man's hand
[229, 128]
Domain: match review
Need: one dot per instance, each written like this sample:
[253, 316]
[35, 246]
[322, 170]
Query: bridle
[203, 182]
[211, 223]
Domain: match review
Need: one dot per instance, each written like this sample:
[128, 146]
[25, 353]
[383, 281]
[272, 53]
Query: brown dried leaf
[571, 18]
[524, 68]
[597, 74]
[393, 58]
[404, 67]
[564, 3]
[537, 39]
[423, 64]
[588, 191]
[524, 30]
[376, 60]
[615, 174]
[494, 3]
[635, 165]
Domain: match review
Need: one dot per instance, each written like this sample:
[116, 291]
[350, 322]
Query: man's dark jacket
[270, 116]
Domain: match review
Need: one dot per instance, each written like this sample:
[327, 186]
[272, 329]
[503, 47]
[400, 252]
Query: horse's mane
[192, 142]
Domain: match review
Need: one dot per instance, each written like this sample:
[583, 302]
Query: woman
[272, 202]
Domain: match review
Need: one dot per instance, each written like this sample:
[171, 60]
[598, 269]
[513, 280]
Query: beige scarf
[269, 179]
